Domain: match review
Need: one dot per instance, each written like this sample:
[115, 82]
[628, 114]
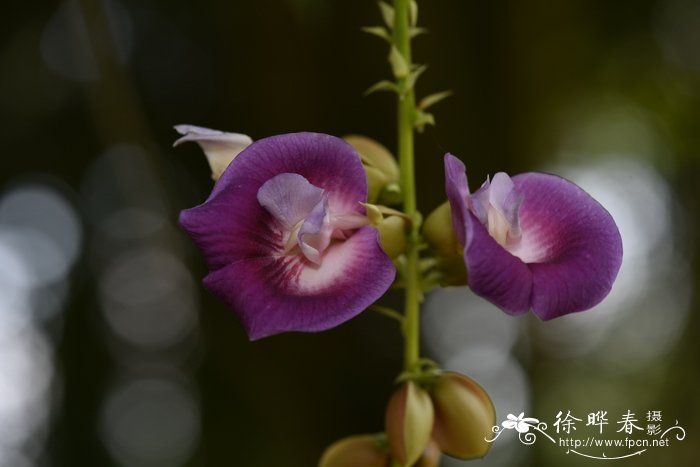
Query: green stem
[406, 112]
[388, 312]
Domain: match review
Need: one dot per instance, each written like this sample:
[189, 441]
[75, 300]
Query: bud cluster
[448, 414]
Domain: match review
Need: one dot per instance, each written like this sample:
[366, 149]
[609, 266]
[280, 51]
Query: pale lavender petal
[279, 294]
[289, 197]
[478, 202]
[506, 199]
[577, 242]
[315, 233]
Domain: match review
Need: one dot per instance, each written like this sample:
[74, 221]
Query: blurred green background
[112, 354]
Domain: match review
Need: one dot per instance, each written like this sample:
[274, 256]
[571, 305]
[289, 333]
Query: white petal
[219, 147]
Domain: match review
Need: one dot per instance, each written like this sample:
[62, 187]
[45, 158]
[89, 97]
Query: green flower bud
[409, 422]
[464, 416]
[392, 225]
[440, 236]
[381, 169]
[392, 235]
[357, 451]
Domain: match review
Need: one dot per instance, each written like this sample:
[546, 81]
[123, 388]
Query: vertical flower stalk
[406, 116]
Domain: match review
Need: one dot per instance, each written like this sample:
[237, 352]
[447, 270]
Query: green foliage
[399, 65]
[432, 99]
[379, 31]
[387, 12]
[421, 119]
[382, 86]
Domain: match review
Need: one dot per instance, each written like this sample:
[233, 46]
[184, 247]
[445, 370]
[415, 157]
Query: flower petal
[315, 233]
[219, 147]
[244, 244]
[573, 244]
[457, 189]
[325, 161]
[568, 256]
[493, 273]
[286, 293]
[290, 198]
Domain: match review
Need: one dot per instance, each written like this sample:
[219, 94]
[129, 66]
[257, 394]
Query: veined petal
[566, 259]
[243, 242]
[286, 293]
[232, 224]
[574, 245]
[492, 272]
[219, 147]
[325, 161]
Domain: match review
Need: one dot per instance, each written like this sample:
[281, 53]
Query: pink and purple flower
[286, 238]
[534, 241]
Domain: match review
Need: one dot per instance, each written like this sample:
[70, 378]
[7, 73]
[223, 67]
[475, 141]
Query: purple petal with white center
[219, 147]
[243, 243]
[275, 295]
[566, 260]
[571, 241]
[492, 272]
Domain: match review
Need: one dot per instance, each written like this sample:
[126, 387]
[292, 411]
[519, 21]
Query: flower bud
[464, 415]
[392, 225]
[357, 451]
[440, 236]
[431, 456]
[381, 169]
[409, 422]
[392, 235]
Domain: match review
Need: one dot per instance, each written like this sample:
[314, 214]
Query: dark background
[115, 355]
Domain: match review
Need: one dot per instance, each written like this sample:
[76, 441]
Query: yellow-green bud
[381, 169]
[409, 422]
[393, 227]
[357, 451]
[439, 234]
[392, 235]
[464, 416]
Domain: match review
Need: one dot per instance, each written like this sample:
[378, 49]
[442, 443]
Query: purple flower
[286, 238]
[534, 241]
